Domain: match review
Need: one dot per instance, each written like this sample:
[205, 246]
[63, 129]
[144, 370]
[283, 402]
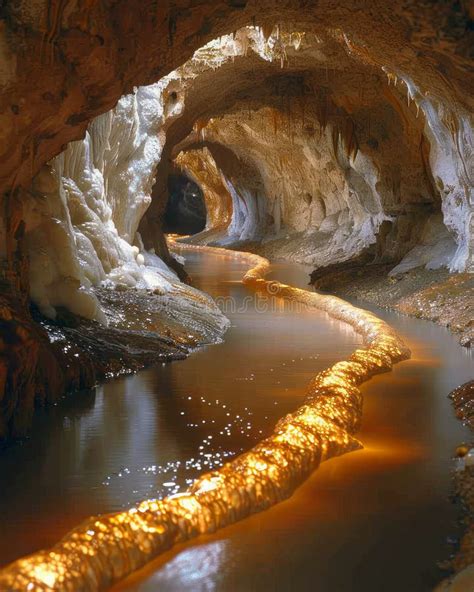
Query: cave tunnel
[219, 221]
[185, 209]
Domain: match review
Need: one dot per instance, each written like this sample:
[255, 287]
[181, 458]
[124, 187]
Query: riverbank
[435, 295]
[461, 561]
[71, 353]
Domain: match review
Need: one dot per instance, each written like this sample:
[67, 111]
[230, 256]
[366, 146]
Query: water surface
[374, 520]
[150, 434]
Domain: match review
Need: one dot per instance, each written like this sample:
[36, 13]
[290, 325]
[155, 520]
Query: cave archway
[92, 60]
[377, 150]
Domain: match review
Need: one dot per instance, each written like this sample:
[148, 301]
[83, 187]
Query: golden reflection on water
[105, 549]
[198, 564]
[392, 451]
[376, 519]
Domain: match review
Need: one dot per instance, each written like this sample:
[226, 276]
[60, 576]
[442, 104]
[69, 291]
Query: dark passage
[186, 210]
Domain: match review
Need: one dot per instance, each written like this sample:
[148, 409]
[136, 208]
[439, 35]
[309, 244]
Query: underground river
[381, 513]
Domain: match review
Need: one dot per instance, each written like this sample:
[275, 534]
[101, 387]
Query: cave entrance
[186, 209]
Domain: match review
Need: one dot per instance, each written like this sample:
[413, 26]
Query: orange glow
[104, 550]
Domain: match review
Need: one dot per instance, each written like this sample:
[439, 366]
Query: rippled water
[372, 520]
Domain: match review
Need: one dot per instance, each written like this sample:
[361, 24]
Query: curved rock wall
[88, 204]
[320, 152]
[312, 160]
[63, 64]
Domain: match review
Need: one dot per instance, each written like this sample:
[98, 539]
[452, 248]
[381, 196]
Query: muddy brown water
[377, 519]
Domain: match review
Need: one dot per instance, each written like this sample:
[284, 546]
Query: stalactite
[335, 139]
[391, 77]
[350, 139]
[267, 31]
[303, 101]
[323, 113]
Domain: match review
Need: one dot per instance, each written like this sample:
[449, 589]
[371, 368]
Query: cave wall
[339, 149]
[87, 204]
[64, 64]
[318, 154]
[312, 189]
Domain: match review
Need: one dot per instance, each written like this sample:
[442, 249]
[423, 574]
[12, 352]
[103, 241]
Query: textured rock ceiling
[65, 62]
[309, 139]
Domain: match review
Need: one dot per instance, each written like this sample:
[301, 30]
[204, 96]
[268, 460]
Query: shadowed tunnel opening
[185, 210]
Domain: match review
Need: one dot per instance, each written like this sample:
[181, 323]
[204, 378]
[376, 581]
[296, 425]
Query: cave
[237, 295]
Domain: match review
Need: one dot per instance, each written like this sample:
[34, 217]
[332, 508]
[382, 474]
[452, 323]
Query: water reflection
[148, 435]
[373, 520]
[369, 521]
[197, 568]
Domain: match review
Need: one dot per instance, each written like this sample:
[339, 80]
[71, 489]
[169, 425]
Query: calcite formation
[105, 549]
[319, 155]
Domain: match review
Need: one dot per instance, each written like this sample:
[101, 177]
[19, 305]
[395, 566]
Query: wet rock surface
[461, 562]
[73, 353]
[463, 401]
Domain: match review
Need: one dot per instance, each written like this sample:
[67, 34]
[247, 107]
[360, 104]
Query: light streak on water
[104, 550]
